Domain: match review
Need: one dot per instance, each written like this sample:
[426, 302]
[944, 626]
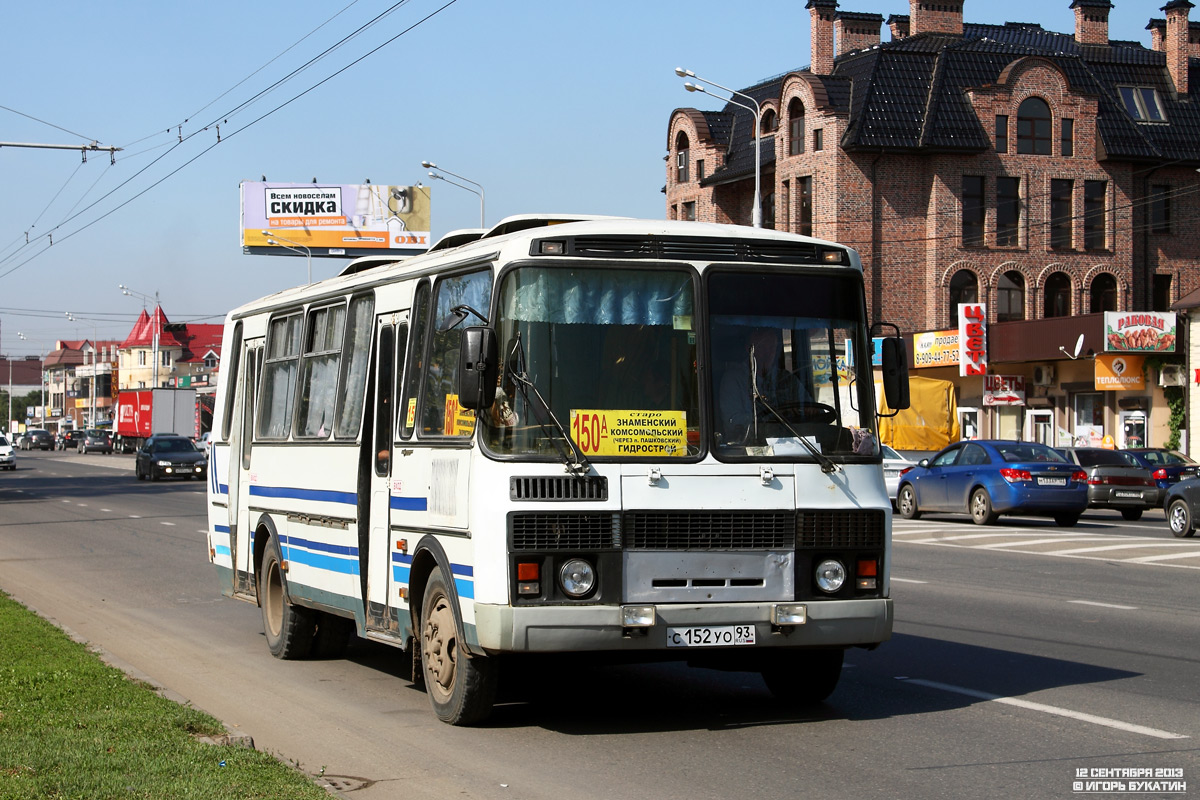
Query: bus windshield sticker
[605, 432]
[458, 421]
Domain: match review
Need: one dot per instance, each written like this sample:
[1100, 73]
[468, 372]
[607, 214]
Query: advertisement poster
[334, 219]
[1139, 331]
[935, 349]
[1116, 373]
[972, 339]
[1004, 390]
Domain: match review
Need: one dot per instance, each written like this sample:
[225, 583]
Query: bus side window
[442, 414]
[416, 359]
[357, 357]
[234, 376]
[320, 366]
[248, 402]
[279, 377]
[383, 400]
[401, 349]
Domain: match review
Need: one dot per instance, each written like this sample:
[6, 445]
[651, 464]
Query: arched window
[682, 156]
[1034, 127]
[795, 127]
[770, 121]
[1104, 293]
[1010, 297]
[1058, 296]
[964, 288]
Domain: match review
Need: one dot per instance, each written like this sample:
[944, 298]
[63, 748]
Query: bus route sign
[605, 432]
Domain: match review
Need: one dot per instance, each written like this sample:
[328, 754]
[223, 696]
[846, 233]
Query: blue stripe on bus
[321, 561]
[309, 544]
[465, 588]
[465, 585]
[221, 528]
[222, 550]
[410, 503]
[320, 495]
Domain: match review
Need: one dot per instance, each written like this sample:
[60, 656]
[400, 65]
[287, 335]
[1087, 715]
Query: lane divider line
[1046, 709]
[1102, 605]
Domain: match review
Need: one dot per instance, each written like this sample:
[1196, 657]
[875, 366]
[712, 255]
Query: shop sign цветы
[1004, 390]
[1140, 331]
[1120, 373]
[972, 339]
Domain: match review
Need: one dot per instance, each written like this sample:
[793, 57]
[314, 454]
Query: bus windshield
[603, 347]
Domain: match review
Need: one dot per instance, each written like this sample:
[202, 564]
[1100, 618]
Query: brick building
[1049, 175]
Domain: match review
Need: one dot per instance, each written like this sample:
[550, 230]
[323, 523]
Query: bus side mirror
[895, 373]
[478, 368]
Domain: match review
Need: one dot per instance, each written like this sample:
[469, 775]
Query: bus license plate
[722, 636]
[1052, 481]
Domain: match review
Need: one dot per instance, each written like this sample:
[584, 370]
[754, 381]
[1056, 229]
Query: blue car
[1168, 467]
[989, 477]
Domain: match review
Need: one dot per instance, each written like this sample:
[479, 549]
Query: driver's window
[946, 458]
[443, 414]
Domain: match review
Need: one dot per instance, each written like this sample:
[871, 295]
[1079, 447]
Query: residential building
[1047, 175]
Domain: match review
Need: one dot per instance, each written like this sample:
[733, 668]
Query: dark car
[69, 440]
[95, 440]
[1183, 505]
[169, 456]
[989, 477]
[37, 439]
[1116, 480]
[1167, 467]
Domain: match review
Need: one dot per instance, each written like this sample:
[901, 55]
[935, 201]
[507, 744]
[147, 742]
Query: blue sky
[552, 106]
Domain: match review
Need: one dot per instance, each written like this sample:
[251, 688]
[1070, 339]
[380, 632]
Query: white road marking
[1102, 605]
[1167, 557]
[1055, 710]
[169, 524]
[1116, 547]
[907, 580]
[134, 516]
[1024, 542]
[106, 510]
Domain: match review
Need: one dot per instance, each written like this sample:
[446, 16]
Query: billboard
[1117, 373]
[340, 219]
[935, 349]
[1139, 331]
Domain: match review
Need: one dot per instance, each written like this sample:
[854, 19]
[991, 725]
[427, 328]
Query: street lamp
[95, 364]
[436, 176]
[296, 247]
[41, 378]
[756, 213]
[125, 290]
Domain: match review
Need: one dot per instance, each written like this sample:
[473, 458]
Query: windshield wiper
[574, 461]
[827, 464]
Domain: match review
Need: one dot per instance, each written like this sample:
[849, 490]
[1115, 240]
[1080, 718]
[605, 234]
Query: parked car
[169, 456]
[989, 477]
[893, 465]
[37, 439]
[95, 440]
[8, 458]
[69, 440]
[1167, 467]
[1116, 480]
[1183, 507]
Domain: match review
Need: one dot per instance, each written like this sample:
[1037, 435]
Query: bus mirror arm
[478, 368]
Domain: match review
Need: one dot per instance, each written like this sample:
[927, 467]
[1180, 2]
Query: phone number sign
[605, 432]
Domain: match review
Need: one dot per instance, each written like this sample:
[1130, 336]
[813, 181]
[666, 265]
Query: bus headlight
[831, 574]
[577, 577]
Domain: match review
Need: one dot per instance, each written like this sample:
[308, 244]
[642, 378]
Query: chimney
[1158, 34]
[898, 25]
[1177, 45]
[821, 13]
[1091, 21]
[936, 16]
[856, 31]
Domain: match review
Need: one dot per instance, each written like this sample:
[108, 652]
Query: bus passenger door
[375, 548]
[241, 537]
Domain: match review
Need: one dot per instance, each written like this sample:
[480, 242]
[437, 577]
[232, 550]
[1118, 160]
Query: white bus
[674, 455]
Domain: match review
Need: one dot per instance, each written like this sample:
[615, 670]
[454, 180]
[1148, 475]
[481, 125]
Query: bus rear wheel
[803, 678]
[289, 628]
[461, 687]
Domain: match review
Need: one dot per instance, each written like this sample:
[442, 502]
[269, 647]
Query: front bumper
[179, 471]
[562, 629]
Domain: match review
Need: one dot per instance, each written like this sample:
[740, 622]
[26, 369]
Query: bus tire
[803, 678]
[461, 687]
[289, 628]
[333, 635]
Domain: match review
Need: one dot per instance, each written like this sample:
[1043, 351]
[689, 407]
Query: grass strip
[73, 727]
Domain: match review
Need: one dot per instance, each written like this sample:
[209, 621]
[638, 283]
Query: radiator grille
[835, 530]
[710, 530]
[550, 487]
[548, 531]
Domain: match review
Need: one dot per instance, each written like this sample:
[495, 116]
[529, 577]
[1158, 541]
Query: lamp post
[41, 379]
[756, 213]
[95, 365]
[295, 247]
[125, 290]
[436, 176]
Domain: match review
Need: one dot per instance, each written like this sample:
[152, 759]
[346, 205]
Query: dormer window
[1142, 103]
[770, 122]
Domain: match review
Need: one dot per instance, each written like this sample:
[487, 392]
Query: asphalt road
[1026, 657]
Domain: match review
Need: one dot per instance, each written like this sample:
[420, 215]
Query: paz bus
[643, 439]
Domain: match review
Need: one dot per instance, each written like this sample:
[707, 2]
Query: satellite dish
[1078, 346]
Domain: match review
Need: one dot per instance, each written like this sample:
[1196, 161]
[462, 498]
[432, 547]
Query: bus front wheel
[803, 678]
[289, 628]
[461, 687]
